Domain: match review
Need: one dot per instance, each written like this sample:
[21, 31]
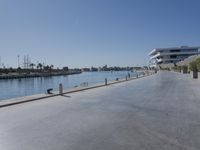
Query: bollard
[60, 89]
[129, 75]
[106, 81]
[126, 78]
[49, 91]
[137, 76]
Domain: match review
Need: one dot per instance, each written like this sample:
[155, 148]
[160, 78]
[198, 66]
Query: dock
[157, 112]
[34, 75]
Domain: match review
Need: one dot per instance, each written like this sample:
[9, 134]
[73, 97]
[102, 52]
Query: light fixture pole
[18, 60]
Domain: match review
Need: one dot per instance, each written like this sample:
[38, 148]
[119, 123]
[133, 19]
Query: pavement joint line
[10, 103]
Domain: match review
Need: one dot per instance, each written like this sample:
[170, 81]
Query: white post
[60, 89]
[106, 81]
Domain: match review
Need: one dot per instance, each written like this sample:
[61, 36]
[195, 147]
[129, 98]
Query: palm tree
[47, 67]
[32, 65]
[51, 67]
[39, 66]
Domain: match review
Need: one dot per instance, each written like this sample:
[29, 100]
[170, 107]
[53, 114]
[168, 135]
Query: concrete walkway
[159, 112]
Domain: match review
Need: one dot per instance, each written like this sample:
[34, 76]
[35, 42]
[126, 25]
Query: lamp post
[18, 60]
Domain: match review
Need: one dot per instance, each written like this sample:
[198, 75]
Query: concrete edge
[10, 103]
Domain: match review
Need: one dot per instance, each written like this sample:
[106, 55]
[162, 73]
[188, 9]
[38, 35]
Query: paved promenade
[159, 112]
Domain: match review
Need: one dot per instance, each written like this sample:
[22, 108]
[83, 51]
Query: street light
[18, 60]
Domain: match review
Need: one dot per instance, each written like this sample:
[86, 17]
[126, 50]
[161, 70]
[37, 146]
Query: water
[12, 88]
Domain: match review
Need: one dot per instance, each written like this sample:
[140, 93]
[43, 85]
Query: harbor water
[12, 88]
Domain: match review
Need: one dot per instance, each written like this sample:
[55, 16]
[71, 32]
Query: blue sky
[85, 33]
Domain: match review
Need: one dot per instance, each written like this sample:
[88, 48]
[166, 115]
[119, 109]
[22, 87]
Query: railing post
[60, 89]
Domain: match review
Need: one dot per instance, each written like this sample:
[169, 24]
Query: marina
[99, 75]
[13, 88]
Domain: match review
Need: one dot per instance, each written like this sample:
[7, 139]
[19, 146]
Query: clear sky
[85, 33]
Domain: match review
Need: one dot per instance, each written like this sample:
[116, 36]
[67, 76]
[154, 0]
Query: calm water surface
[12, 88]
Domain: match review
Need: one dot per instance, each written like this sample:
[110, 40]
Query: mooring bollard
[49, 91]
[60, 89]
[106, 81]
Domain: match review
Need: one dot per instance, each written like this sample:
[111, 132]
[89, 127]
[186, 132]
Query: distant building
[94, 69]
[85, 69]
[171, 55]
[65, 68]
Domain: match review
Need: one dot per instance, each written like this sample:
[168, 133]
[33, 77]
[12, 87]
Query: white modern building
[171, 55]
